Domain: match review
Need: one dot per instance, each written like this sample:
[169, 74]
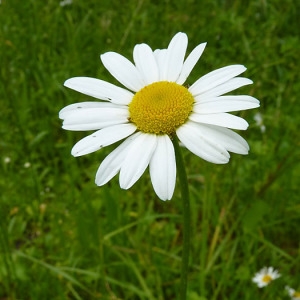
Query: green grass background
[62, 237]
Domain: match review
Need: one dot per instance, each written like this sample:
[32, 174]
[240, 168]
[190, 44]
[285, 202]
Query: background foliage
[61, 237]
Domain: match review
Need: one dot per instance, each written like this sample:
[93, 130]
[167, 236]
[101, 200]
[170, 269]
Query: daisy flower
[153, 108]
[265, 276]
[295, 295]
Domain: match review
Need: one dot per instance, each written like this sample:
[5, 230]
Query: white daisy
[154, 107]
[295, 295]
[265, 276]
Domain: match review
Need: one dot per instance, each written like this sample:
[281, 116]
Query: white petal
[193, 139]
[83, 105]
[175, 56]
[220, 119]
[225, 104]
[111, 165]
[94, 118]
[190, 62]
[160, 57]
[102, 138]
[123, 70]
[162, 168]
[146, 63]
[137, 159]
[224, 88]
[215, 78]
[227, 138]
[99, 89]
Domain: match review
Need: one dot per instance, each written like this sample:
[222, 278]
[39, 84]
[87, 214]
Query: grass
[61, 237]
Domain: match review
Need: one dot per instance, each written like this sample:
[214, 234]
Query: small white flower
[295, 295]
[153, 109]
[65, 2]
[265, 276]
[7, 159]
[27, 165]
[259, 122]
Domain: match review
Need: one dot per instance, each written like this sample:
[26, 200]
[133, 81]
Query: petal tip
[164, 199]
[67, 82]
[99, 181]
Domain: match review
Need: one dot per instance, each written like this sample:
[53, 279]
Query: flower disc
[161, 107]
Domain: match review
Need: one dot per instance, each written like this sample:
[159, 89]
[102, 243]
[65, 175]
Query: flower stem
[186, 218]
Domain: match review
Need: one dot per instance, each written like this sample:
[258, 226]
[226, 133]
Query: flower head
[295, 295]
[154, 107]
[265, 276]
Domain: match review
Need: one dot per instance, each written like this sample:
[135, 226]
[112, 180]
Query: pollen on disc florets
[267, 278]
[161, 107]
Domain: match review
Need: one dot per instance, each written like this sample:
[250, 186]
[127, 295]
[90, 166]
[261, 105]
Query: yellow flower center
[296, 295]
[267, 278]
[161, 107]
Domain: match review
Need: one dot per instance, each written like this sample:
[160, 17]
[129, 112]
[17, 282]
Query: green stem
[186, 218]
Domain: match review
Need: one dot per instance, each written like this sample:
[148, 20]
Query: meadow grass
[62, 237]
